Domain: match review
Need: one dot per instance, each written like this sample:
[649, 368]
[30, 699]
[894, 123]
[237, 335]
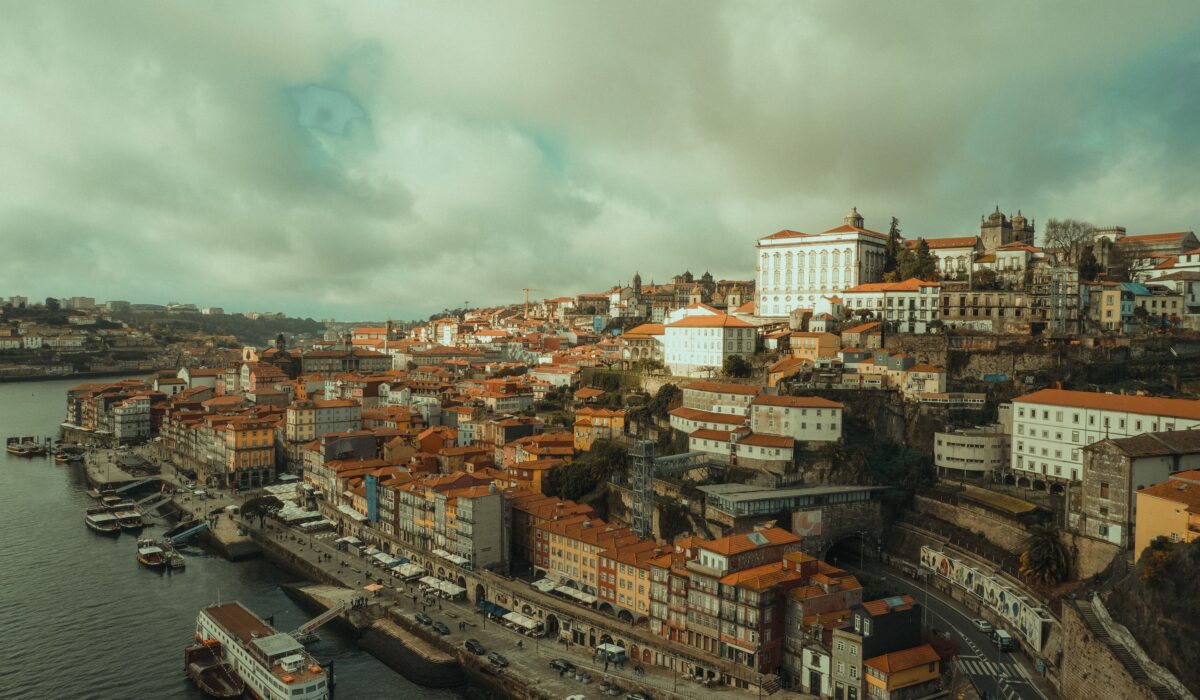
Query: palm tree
[1045, 559]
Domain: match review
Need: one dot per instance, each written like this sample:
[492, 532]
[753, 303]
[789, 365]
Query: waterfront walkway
[531, 663]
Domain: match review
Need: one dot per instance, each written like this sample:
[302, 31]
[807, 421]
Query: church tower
[637, 284]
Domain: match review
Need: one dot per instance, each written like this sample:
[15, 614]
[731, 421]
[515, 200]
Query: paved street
[991, 670]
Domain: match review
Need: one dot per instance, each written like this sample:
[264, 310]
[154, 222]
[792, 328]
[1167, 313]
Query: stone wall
[1003, 532]
[1089, 556]
[1089, 669]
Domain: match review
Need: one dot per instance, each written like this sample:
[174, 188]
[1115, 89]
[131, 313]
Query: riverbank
[13, 379]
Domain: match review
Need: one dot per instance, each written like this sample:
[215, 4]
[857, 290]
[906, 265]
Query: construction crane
[527, 290]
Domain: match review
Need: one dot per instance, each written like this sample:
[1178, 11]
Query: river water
[80, 619]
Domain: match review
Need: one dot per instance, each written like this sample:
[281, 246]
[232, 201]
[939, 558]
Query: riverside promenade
[530, 663]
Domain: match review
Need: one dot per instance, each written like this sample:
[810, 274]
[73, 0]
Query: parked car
[562, 665]
[474, 646]
[424, 619]
[637, 696]
[498, 659]
[982, 625]
[440, 628]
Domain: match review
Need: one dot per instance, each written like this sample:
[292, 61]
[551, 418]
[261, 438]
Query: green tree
[669, 396]
[1089, 267]
[737, 366]
[261, 507]
[894, 247]
[52, 304]
[1045, 559]
[919, 263]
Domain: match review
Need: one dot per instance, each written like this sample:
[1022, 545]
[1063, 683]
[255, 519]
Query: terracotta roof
[904, 660]
[785, 233]
[588, 392]
[911, 284]
[646, 329]
[1144, 405]
[1155, 237]
[707, 434]
[706, 321]
[695, 414]
[883, 606]
[762, 577]
[795, 401]
[736, 544]
[952, 242]
[746, 308]
[761, 440]
[863, 328]
[1182, 488]
[721, 388]
[846, 228]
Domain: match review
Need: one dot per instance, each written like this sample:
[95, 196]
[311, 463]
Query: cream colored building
[697, 345]
[794, 270]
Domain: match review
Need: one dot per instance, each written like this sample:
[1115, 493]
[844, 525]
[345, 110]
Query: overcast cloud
[391, 159]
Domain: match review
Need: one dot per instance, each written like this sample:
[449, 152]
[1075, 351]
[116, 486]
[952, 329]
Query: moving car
[1003, 640]
[475, 647]
[982, 625]
[423, 618]
[440, 628]
[498, 659]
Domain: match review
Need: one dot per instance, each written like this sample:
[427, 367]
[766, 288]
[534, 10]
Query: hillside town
[754, 484]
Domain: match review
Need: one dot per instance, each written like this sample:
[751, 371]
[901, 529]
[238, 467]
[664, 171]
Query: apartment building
[1170, 509]
[908, 307]
[802, 418]
[309, 420]
[1052, 426]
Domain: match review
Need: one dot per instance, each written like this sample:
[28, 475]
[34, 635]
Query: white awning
[408, 570]
[544, 585]
[354, 514]
[521, 620]
[455, 559]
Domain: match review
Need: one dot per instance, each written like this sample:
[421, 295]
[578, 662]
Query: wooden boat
[102, 521]
[210, 672]
[150, 555]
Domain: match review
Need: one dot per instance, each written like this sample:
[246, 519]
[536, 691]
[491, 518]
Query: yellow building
[810, 346]
[892, 675]
[531, 475]
[249, 452]
[1170, 509]
[624, 579]
[592, 424]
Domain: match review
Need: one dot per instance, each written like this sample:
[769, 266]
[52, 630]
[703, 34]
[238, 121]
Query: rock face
[1159, 602]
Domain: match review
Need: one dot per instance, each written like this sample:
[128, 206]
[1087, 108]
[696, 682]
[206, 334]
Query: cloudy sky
[374, 159]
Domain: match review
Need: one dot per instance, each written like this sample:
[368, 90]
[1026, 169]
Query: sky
[391, 159]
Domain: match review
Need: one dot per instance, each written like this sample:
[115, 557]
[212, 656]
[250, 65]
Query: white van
[1003, 640]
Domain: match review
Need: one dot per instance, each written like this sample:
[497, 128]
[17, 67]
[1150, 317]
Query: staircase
[1132, 666]
[770, 685]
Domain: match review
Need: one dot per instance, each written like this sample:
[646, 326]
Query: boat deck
[239, 621]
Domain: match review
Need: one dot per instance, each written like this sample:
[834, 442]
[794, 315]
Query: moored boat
[213, 675]
[102, 521]
[272, 664]
[25, 447]
[128, 517]
[150, 555]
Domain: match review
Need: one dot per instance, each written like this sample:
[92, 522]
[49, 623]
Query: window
[1103, 489]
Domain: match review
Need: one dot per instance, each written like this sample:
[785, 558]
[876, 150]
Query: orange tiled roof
[695, 414]
[911, 284]
[903, 660]
[1144, 405]
[795, 401]
[1181, 488]
[736, 544]
[721, 388]
[761, 440]
[706, 321]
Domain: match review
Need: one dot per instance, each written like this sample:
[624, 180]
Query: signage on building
[997, 593]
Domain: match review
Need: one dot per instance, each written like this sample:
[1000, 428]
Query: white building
[131, 419]
[1052, 426]
[697, 345]
[309, 420]
[802, 418]
[796, 269]
[971, 453]
[954, 255]
[908, 307]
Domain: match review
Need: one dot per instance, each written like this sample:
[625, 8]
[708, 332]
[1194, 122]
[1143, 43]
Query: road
[997, 673]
